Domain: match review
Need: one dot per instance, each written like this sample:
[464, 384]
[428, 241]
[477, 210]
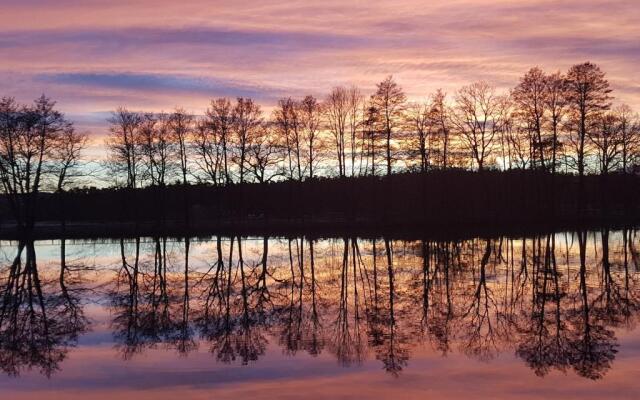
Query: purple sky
[94, 55]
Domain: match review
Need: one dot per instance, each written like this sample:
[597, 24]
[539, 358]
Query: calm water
[550, 316]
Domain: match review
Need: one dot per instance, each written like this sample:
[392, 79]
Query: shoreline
[310, 229]
[442, 203]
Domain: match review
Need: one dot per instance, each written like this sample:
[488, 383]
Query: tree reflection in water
[555, 300]
[40, 317]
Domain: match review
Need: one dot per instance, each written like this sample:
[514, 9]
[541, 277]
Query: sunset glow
[310, 199]
[92, 56]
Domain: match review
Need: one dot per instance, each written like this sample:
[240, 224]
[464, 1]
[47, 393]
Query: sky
[95, 55]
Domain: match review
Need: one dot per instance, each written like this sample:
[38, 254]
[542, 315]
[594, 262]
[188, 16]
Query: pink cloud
[300, 47]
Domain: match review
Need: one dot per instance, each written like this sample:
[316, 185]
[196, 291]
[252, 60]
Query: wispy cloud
[94, 55]
[148, 82]
[111, 39]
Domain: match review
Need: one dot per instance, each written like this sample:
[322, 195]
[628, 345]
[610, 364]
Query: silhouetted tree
[355, 100]
[181, 127]
[372, 133]
[220, 118]
[629, 126]
[287, 118]
[418, 118]
[336, 109]
[556, 103]
[504, 126]
[530, 97]
[542, 123]
[311, 119]
[588, 95]
[475, 120]
[247, 118]
[439, 118]
[123, 144]
[606, 139]
[38, 147]
[69, 151]
[208, 152]
[389, 99]
[265, 155]
[157, 148]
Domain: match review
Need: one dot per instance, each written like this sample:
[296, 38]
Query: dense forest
[558, 125]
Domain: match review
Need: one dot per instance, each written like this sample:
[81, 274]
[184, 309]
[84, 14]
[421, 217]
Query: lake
[550, 316]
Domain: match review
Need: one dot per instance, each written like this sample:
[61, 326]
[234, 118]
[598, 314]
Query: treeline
[450, 203]
[548, 123]
[560, 122]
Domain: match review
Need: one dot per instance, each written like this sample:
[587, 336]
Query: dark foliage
[450, 200]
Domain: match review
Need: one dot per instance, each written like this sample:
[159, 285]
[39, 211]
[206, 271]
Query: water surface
[548, 316]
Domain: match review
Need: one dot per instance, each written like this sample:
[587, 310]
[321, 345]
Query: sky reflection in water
[550, 316]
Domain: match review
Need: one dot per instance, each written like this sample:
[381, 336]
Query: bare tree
[519, 147]
[439, 116]
[247, 118]
[354, 107]
[474, 118]
[504, 124]
[588, 97]
[69, 150]
[556, 103]
[147, 145]
[33, 154]
[336, 109]
[629, 125]
[220, 117]
[208, 151]
[544, 121]
[311, 118]
[123, 143]
[181, 124]
[530, 98]
[390, 100]
[157, 147]
[288, 120]
[418, 117]
[606, 139]
[371, 132]
[265, 155]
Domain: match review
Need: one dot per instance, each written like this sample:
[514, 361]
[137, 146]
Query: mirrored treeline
[556, 301]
